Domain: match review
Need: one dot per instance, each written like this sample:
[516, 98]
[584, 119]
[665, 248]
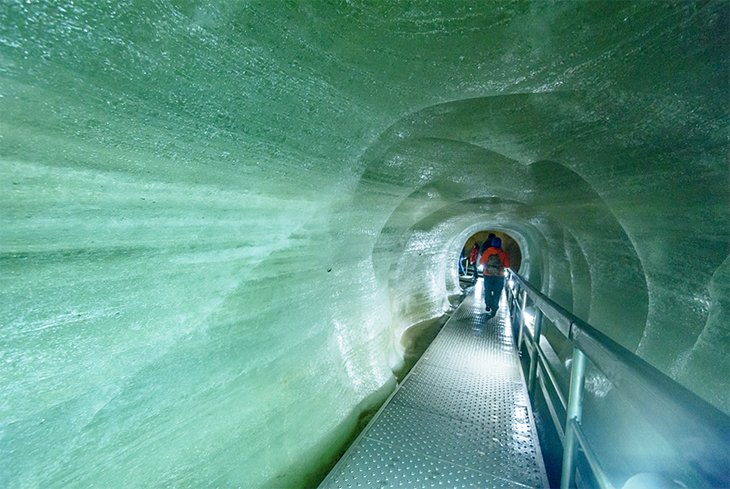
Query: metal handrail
[648, 389]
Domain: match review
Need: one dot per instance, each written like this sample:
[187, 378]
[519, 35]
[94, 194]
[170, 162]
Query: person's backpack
[493, 264]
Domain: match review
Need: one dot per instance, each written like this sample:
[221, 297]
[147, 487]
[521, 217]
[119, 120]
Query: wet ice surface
[217, 220]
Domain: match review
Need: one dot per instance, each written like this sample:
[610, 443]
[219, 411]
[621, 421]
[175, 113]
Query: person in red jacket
[474, 261]
[494, 260]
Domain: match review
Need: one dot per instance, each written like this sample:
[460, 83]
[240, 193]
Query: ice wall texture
[218, 218]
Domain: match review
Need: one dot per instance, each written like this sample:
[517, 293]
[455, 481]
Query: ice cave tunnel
[219, 217]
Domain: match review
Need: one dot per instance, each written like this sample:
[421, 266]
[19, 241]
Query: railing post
[508, 292]
[573, 415]
[535, 353]
[522, 321]
[512, 297]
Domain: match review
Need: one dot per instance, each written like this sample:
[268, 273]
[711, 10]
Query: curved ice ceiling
[219, 218]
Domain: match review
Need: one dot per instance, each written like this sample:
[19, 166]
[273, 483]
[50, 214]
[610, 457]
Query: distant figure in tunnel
[462, 258]
[494, 260]
[474, 260]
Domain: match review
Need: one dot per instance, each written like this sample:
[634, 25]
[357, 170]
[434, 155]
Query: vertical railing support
[522, 321]
[513, 300]
[510, 294]
[573, 415]
[535, 359]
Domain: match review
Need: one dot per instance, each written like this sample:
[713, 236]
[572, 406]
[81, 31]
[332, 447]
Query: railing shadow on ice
[650, 431]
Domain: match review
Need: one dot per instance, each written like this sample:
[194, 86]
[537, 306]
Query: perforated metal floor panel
[461, 418]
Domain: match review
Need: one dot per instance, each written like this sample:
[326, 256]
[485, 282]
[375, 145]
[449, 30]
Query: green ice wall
[217, 218]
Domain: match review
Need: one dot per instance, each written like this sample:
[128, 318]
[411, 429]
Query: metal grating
[461, 418]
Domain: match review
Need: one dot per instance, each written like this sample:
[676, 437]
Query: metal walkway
[461, 418]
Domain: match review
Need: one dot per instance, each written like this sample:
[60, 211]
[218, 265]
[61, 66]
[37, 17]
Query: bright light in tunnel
[479, 291]
[529, 320]
[529, 317]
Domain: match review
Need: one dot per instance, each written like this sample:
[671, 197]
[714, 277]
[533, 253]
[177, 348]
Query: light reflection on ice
[597, 383]
[345, 352]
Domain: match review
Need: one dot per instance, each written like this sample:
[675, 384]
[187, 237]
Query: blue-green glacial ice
[218, 218]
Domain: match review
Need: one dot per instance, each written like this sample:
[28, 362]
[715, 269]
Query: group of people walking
[493, 260]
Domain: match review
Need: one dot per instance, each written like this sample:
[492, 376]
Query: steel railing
[699, 431]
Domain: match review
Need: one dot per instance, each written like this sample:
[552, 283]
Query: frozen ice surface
[217, 219]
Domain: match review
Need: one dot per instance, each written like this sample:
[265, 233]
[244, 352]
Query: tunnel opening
[509, 245]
